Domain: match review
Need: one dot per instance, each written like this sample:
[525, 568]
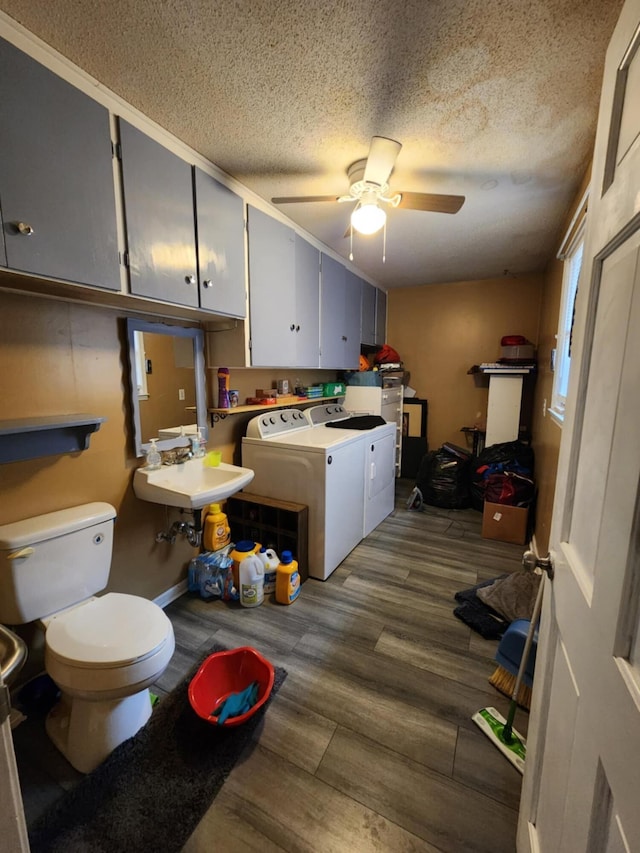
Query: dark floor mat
[153, 790]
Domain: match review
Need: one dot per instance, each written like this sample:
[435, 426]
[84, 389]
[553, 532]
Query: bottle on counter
[287, 579]
[154, 459]
[223, 388]
[198, 445]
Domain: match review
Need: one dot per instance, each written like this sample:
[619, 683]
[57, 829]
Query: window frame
[571, 253]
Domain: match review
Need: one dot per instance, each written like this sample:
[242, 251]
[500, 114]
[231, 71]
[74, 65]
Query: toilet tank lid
[19, 534]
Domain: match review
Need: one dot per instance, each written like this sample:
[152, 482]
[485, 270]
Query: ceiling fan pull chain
[351, 244]
[384, 242]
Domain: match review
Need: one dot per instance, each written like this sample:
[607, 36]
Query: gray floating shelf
[31, 438]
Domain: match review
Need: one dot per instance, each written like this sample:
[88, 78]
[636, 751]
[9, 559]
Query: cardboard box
[505, 523]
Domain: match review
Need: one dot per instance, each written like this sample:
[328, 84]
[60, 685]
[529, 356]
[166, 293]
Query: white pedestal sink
[190, 484]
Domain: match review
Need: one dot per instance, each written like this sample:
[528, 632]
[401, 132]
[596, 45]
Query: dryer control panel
[276, 423]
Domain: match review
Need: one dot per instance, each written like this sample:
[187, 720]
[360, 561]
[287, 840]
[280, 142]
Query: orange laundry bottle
[217, 533]
[287, 579]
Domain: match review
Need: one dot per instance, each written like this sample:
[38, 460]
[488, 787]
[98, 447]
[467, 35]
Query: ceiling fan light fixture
[368, 218]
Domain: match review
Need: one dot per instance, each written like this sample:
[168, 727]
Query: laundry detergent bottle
[242, 551]
[287, 579]
[270, 562]
[217, 533]
[251, 581]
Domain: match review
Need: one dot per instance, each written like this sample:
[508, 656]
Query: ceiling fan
[369, 188]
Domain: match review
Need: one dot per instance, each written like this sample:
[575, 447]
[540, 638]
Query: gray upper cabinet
[221, 255]
[307, 305]
[368, 316]
[381, 317]
[340, 315]
[283, 295]
[57, 192]
[159, 216]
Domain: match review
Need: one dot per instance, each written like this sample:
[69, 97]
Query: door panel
[271, 290]
[307, 304]
[221, 260]
[582, 776]
[159, 213]
[56, 175]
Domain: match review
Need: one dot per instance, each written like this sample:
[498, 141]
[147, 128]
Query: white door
[13, 829]
[581, 788]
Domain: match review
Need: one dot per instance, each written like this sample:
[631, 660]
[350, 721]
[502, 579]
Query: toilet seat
[112, 631]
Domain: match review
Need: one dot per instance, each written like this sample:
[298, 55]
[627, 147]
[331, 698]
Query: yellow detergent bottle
[287, 579]
[217, 533]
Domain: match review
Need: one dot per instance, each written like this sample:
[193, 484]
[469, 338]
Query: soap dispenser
[154, 459]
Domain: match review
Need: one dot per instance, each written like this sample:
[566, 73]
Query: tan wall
[441, 330]
[546, 432]
[163, 407]
[62, 358]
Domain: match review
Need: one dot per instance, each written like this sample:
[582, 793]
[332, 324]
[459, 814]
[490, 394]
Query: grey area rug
[152, 791]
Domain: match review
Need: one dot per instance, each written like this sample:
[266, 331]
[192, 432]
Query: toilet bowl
[102, 652]
[103, 655]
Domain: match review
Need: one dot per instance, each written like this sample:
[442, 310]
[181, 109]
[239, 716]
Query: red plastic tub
[228, 672]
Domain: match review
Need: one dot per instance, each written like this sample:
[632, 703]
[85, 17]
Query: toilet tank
[53, 561]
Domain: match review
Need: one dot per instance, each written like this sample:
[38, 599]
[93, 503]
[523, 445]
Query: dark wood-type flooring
[369, 745]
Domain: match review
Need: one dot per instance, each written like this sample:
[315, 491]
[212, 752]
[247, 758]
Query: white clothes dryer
[379, 458]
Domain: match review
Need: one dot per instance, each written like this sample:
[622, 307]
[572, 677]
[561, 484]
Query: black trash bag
[513, 456]
[444, 477]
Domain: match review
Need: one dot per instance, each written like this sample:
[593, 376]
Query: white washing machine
[319, 466]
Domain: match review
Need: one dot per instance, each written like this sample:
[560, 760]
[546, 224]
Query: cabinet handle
[292, 327]
[297, 328]
[190, 279]
[207, 282]
[24, 228]
[344, 337]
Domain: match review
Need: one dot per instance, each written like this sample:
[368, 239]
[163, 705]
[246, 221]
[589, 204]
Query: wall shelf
[31, 438]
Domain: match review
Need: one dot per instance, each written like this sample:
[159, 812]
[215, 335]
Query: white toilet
[103, 653]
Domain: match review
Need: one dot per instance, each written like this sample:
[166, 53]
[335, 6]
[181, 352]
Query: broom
[500, 731]
[505, 682]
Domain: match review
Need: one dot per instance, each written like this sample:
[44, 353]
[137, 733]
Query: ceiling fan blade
[304, 198]
[431, 201]
[381, 160]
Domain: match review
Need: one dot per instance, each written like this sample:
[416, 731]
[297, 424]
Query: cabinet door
[271, 291]
[368, 324]
[56, 176]
[220, 234]
[381, 317]
[332, 303]
[351, 322]
[158, 201]
[307, 305]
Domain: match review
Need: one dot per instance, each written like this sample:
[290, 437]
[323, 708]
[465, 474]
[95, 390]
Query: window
[571, 253]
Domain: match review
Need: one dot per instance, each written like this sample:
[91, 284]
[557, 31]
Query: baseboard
[171, 594]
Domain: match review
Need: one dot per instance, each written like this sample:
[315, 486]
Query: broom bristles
[503, 681]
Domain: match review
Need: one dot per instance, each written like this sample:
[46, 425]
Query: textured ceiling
[490, 99]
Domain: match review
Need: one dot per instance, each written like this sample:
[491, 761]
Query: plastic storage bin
[223, 673]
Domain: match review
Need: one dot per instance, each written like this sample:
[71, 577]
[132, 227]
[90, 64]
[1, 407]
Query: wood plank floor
[369, 745]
